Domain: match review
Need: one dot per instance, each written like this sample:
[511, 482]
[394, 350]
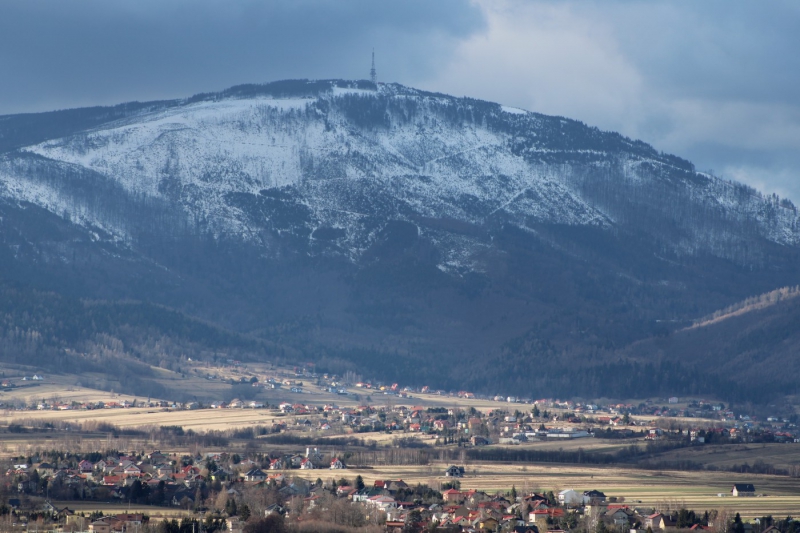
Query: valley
[204, 302]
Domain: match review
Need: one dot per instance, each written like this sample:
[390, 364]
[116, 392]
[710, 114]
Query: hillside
[756, 343]
[118, 341]
[403, 234]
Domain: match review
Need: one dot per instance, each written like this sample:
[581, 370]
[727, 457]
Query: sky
[716, 82]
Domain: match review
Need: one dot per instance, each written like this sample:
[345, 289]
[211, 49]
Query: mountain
[398, 233]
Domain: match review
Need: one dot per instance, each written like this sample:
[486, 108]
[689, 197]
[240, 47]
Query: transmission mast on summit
[373, 75]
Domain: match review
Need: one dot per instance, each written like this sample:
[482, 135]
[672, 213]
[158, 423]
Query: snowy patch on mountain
[353, 158]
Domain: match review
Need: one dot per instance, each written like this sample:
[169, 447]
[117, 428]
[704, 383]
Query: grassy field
[152, 511]
[693, 490]
[139, 417]
[779, 455]
[55, 390]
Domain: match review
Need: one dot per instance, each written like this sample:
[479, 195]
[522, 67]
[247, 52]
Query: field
[780, 496]
[143, 417]
[693, 490]
[154, 512]
[779, 455]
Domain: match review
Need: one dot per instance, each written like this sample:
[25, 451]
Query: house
[655, 434]
[277, 478]
[75, 522]
[45, 468]
[275, 509]
[395, 485]
[743, 489]
[383, 503]
[120, 522]
[306, 464]
[454, 471]
[107, 524]
[362, 495]
[488, 524]
[453, 496]
[570, 498]
[129, 519]
[336, 464]
[593, 496]
[256, 474]
[131, 470]
[616, 517]
[539, 518]
[658, 521]
[344, 490]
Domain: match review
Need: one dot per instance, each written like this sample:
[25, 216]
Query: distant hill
[754, 345]
[403, 234]
[118, 340]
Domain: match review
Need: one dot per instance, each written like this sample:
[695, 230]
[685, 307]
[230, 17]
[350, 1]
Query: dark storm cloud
[715, 48]
[714, 81]
[732, 72]
[62, 54]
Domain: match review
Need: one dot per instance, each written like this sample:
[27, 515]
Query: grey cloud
[712, 49]
[62, 54]
[714, 81]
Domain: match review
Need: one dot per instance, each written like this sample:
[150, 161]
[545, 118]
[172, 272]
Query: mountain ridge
[361, 225]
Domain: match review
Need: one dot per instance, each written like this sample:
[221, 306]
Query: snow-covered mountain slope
[385, 229]
[343, 160]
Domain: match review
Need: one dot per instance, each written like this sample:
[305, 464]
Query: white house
[570, 497]
[384, 503]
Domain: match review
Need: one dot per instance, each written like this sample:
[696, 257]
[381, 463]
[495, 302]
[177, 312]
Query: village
[307, 448]
[348, 403]
[224, 491]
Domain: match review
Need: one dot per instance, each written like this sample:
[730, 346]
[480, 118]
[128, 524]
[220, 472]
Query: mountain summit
[365, 223]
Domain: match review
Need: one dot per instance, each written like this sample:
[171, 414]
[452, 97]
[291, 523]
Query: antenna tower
[373, 75]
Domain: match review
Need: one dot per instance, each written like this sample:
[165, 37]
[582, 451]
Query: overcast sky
[717, 82]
